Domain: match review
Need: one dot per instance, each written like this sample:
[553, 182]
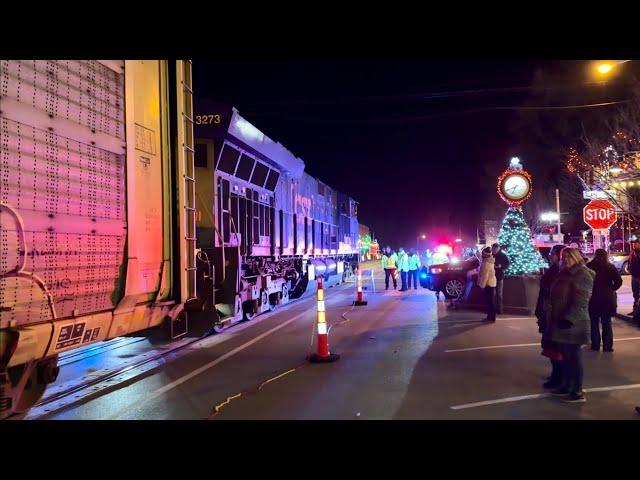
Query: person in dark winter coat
[604, 302]
[501, 265]
[549, 348]
[570, 322]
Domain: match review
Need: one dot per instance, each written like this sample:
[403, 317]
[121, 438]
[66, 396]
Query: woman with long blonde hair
[569, 320]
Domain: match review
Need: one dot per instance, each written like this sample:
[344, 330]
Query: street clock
[514, 184]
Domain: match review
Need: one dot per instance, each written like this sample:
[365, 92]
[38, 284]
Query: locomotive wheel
[218, 328]
[247, 317]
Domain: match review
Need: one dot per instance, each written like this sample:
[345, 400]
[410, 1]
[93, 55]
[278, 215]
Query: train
[128, 203]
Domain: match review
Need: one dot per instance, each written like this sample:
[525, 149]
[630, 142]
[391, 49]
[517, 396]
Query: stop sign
[600, 214]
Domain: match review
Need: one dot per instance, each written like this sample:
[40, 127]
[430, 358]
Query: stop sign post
[600, 214]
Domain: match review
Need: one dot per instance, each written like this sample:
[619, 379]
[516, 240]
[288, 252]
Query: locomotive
[271, 224]
[123, 209]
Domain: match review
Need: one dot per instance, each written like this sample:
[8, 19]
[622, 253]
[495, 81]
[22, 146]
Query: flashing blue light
[423, 275]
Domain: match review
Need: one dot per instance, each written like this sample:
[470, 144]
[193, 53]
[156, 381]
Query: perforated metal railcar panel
[62, 189]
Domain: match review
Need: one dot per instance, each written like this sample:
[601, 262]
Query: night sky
[389, 133]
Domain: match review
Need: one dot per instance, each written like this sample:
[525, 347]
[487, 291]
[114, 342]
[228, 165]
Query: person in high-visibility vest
[403, 266]
[390, 265]
[414, 265]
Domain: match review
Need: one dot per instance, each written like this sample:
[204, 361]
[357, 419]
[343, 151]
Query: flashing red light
[444, 249]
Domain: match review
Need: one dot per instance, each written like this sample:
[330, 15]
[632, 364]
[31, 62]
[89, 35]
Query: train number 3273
[207, 119]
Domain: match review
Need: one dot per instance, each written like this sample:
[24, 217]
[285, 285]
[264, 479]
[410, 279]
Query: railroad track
[74, 356]
[65, 395]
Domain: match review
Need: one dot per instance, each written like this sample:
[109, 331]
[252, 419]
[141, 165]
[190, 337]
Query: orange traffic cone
[359, 301]
[323, 355]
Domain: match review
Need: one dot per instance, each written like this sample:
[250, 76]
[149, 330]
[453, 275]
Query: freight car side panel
[62, 195]
[144, 180]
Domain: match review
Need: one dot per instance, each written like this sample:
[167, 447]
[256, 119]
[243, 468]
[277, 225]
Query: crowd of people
[407, 264]
[576, 303]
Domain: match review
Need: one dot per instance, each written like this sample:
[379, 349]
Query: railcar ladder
[188, 185]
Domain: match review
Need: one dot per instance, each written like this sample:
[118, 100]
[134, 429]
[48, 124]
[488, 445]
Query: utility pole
[558, 212]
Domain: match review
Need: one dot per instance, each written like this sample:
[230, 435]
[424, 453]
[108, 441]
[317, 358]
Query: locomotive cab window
[259, 174]
[272, 180]
[228, 159]
[245, 168]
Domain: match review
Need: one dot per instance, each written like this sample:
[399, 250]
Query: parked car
[621, 261]
[449, 278]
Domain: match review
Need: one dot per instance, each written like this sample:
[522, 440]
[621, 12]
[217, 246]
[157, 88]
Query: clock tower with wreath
[515, 187]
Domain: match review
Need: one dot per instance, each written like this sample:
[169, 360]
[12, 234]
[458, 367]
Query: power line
[438, 115]
[430, 95]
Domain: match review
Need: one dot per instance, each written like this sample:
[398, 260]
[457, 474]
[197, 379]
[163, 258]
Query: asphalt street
[403, 356]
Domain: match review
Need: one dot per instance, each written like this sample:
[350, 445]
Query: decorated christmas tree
[515, 239]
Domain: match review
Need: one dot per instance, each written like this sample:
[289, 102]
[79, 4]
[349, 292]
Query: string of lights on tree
[623, 155]
[609, 157]
[515, 239]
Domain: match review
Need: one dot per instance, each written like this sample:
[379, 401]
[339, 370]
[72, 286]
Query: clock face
[515, 187]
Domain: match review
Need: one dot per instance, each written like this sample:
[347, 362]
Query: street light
[549, 217]
[605, 68]
[421, 236]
